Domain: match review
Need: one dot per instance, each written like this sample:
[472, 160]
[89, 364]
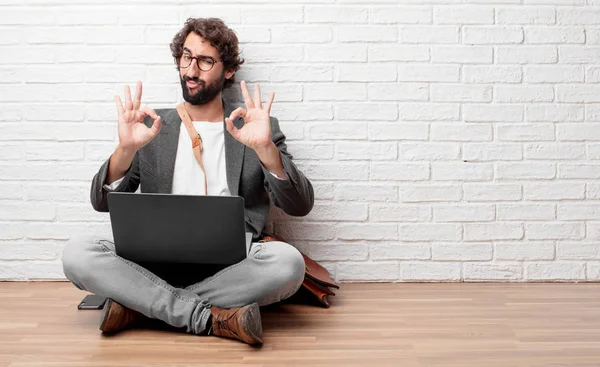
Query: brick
[367, 231]
[400, 15]
[463, 14]
[492, 271]
[464, 213]
[394, 91]
[398, 213]
[524, 93]
[525, 132]
[399, 171]
[520, 251]
[578, 54]
[483, 152]
[525, 171]
[577, 251]
[492, 35]
[430, 232]
[527, 55]
[554, 151]
[492, 192]
[301, 34]
[365, 192]
[369, 33]
[430, 271]
[311, 151]
[476, 74]
[337, 53]
[462, 54]
[428, 73]
[461, 251]
[369, 271]
[578, 93]
[365, 111]
[272, 14]
[392, 251]
[397, 131]
[429, 34]
[336, 14]
[555, 271]
[395, 53]
[460, 93]
[577, 16]
[360, 73]
[541, 35]
[366, 151]
[429, 111]
[336, 92]
[461, 171]
[430, 193]
[578, 171]
[429, 151]
[301, 74]
[528, 212]
[525, 15]
[554, 113]
[338, 212]
[492, 113]
[337, 130]
[554, 231]
[336, 171]
[578, 211]
[492, 231]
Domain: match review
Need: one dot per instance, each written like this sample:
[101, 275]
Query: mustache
[195, 80]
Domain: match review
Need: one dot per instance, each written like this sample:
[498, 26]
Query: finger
[137, 102]
[270, 102]
[120, 108]
[128, 103]
[246, 94]
[257, 100]
[238, 112]
[147, 111]
[231, 128]
[156, 125]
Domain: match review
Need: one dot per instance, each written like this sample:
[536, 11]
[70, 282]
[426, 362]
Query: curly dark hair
[219, 35]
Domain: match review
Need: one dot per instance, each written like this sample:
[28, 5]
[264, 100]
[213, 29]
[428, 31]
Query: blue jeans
[271, 272]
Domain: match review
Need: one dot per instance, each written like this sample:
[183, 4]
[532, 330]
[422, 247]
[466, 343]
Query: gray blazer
[153, 167]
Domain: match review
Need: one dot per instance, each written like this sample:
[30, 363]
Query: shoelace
[221, 324]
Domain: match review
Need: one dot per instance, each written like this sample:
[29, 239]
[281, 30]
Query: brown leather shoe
[241, 323]
[116, 317]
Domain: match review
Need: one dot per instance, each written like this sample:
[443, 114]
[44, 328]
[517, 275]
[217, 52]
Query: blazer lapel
[167, 151]
[234, 152]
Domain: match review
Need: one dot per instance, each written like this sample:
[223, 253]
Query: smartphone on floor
[91, 302]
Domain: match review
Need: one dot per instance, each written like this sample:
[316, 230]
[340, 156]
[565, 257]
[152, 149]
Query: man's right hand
[133, 133]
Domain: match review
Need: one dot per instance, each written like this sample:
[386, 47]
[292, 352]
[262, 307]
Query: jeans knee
[290, 266]
[76, 257]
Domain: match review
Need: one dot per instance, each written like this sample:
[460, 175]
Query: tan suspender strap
[197, 145]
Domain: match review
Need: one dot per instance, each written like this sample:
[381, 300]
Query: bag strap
[197, 144]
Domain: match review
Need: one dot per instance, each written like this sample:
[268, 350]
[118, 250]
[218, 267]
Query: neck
[211, 111]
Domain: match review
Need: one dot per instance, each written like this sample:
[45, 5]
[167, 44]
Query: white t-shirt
[188, 178]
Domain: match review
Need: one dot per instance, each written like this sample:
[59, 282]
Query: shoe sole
[253, 324]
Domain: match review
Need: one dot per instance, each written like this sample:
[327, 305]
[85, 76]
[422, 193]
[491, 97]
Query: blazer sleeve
[130, 183]
[295, 196]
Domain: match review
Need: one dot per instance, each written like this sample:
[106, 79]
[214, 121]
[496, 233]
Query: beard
[204, 93]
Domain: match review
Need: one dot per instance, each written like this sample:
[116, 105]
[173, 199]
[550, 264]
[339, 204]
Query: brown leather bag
[317, 279]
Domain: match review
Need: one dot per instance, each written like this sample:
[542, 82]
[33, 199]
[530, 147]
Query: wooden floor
[368, 325]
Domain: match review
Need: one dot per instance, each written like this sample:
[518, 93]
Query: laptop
[172, 235]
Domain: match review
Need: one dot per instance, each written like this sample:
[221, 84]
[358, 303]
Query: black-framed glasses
[204, 63]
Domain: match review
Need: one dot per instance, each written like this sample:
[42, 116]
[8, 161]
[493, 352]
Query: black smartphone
[91, 302]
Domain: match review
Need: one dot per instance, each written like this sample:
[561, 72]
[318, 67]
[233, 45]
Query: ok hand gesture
[133, 133]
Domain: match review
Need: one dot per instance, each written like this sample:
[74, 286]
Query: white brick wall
[447, 140]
